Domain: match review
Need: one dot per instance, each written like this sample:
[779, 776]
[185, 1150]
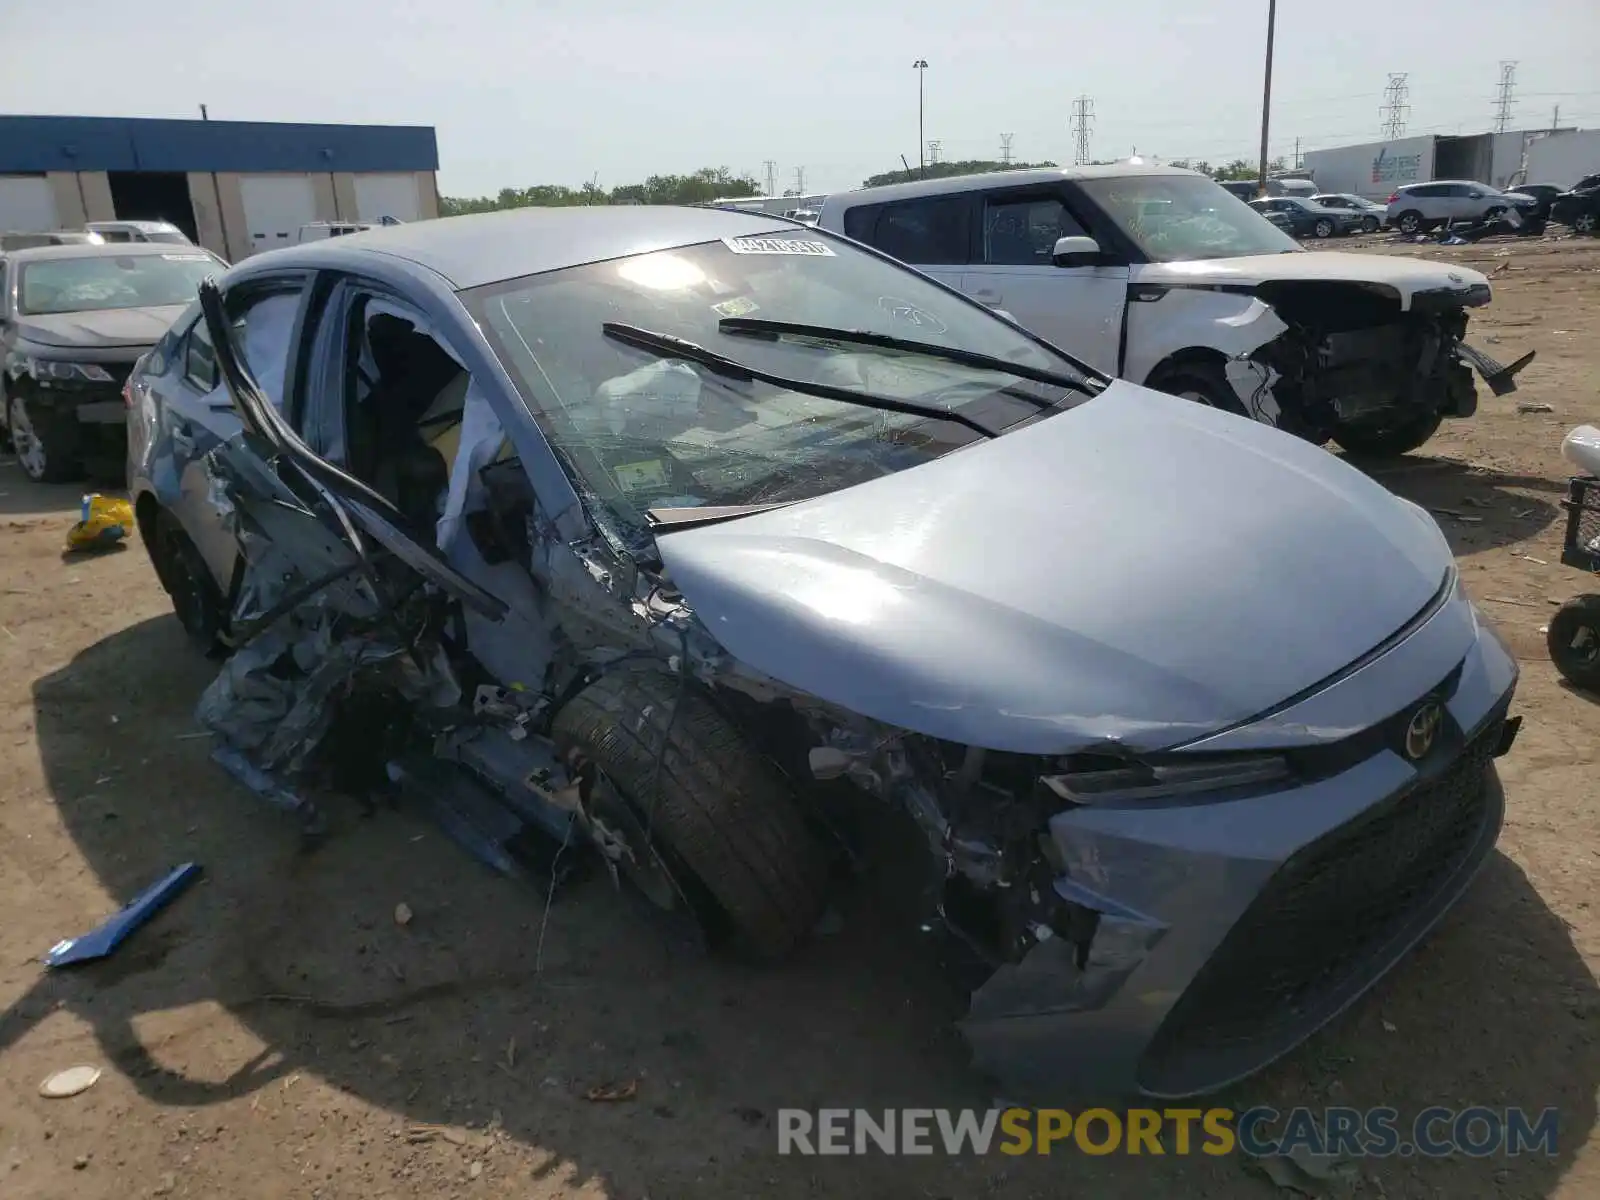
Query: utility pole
[1555, 119]
[1005, 148]
[1297, 159]
[1394, 110]
[799, 181]
[1503, 96]
[921, 67]
[204, 115]
[1266, 97]
[1081, 126]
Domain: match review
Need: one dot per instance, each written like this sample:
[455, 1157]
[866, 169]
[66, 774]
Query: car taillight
[1393, 196]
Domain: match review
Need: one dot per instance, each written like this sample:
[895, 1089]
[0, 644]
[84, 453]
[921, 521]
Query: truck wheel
[46, 441]
[1388, 441]
[196, 600]
[1409, 221]
[1574, 642]
[1203, 382]
[719, 810]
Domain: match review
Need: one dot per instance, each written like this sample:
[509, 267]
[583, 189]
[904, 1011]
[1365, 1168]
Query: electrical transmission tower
[1082, 126]
[799, 181]
[1005, 148]
[772, 177]
[1395, 108]
[1502, 96]
[935, 148]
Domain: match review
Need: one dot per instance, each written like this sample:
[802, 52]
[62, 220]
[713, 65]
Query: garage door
[27, 204]
[275, 206]
[379, 196]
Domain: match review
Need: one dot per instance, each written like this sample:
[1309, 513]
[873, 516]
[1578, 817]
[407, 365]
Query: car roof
[141, 226]
[103, 250]
[990, 179]
[489, 247]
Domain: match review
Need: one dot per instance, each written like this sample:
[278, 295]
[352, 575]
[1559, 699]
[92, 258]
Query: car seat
[413, 370]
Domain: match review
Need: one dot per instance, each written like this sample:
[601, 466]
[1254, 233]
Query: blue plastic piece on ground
[105, 939]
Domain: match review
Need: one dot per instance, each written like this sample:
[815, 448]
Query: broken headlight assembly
[1121, 780]
[44, 370]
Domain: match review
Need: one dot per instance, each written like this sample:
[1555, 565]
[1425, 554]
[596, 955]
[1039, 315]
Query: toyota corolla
[657, 531]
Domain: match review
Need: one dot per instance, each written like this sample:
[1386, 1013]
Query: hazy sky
[557, 91]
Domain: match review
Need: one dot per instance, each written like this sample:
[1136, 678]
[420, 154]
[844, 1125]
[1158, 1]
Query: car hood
[101, 328]
[1139, 569]
[1404, 277]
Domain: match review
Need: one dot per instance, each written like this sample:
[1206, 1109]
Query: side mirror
[1474, 195]
[1075, 252]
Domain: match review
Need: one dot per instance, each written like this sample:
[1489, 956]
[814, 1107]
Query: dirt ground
[276, 1033]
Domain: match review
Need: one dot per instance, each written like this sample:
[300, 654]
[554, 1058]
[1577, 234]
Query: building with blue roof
[236, 187]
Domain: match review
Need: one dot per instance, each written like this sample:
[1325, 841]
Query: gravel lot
[276, 1033]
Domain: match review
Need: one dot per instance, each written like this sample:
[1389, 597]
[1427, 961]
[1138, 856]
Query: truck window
[929, 232]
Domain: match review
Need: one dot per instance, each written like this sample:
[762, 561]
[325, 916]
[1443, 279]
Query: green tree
[698, 187]
[943, 170]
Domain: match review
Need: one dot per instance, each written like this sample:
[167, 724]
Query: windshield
[638, 430]
[64, 285]
[1179, 218]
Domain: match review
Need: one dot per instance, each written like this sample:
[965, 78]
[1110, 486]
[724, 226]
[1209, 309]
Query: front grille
[1330, 922]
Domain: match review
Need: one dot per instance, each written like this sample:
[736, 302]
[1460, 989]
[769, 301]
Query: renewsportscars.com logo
[1260, 1132]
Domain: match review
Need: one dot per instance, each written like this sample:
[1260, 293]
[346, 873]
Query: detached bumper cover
[1229, 932]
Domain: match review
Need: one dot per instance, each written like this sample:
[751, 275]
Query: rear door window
[931, 231]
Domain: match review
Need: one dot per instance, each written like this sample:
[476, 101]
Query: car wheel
[1584, 223]
[1388, 441]
[196, 600]
[45, 441]
[1370, 225]
[1202, 382]
[721, 813]
[1323, 228]
[1495, 213]
[1409, 221]
[1574, 642]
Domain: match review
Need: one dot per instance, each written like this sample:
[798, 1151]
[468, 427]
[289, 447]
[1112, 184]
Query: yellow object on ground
[104, 521]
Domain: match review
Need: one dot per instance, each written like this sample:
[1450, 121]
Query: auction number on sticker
[771, 245]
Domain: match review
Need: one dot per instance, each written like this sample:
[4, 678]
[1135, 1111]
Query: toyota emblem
[1423, 730]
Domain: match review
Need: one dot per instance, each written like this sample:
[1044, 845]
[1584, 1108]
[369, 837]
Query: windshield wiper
[668, 346]
[757, 327]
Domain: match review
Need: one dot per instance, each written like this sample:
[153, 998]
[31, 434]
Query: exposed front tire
[1203, 382]
[720, 810]
[196, 600]
[1574, 642]
[1388, 441]
[1409, 221]
[45, 440]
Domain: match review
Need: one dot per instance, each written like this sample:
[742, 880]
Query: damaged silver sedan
[686, 538]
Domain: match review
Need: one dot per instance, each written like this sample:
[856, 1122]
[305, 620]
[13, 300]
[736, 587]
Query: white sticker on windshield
[187, 257]
[778, 245]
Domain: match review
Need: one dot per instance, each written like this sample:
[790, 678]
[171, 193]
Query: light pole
[1266, 98]
[920, 66]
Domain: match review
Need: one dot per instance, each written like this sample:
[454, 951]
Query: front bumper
[1228, 932]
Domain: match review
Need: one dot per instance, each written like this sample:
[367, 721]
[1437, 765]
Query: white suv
[1419, 206]
[1157, 275]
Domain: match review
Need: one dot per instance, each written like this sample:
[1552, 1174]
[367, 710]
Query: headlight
[1138, 781]
[66, 372]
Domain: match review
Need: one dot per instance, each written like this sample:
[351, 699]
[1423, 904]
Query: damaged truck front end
[853, 573]
[1372, 364]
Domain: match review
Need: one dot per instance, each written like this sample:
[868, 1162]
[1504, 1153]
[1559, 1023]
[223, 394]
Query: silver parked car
[683, 536]
[1419, 206]
[1373, 215]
